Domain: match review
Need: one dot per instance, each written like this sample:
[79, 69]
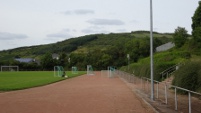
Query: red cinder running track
[83, 94]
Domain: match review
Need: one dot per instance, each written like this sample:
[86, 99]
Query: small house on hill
[55, 56]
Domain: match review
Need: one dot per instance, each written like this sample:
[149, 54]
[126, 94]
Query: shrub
[188, 76]
[143, 69]
[162, 61]
[160, 67]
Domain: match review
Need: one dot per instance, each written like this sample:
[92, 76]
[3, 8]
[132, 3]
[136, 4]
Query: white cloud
[59, 35]
[79, 12]
[66, 30]
[63, 34]
[88, 31]
[36, 19]
[67, 12]
[11, 36]
[94, 29]
[83, 11]
[121, 30]
[105, 22]
[91, 31]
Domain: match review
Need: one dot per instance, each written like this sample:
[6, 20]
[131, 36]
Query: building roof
[25, 60]
[165, 47]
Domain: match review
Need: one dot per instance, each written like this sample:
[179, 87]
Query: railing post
[166, 101]
[127, 77]
[167, 75]
[133, 79]
[157, 90]
[176, 108]
[189, 101]
[144, 85]
[141, 83]
[147, 86]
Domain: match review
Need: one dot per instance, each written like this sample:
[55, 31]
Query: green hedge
[189, 76]
[162, 61]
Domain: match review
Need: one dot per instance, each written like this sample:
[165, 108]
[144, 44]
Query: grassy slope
[107, 40]
[22, 80]
[162, 61]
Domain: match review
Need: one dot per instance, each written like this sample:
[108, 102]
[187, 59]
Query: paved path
[84, 94]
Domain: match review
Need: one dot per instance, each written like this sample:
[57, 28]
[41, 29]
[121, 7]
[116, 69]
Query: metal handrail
[174, 86]
[169, 69]
[128, 77]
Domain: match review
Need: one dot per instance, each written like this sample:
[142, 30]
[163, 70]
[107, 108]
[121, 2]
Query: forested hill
[114, 46]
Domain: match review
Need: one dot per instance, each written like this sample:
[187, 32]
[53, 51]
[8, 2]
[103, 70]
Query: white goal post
[9, 68]
[90, 70]
[74, 70]
[111, 72]
[59, 71]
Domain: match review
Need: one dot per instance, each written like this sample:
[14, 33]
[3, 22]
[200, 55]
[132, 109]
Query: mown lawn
[23, 80]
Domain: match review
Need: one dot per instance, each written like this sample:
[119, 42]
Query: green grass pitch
[22, 80]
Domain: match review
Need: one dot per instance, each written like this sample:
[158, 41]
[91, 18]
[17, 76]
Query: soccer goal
[9, 68]
[74, 70]
[59, 71]
[111, 71]
[90, 70]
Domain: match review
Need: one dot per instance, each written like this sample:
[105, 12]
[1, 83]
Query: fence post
[167, 75]
[147, 85]
[189, 100]
[157, 91]
[176, 108]
[133, 79]
[141, 83]
[166, 94]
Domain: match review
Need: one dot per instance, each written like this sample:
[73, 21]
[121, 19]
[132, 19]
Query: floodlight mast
[151, 51]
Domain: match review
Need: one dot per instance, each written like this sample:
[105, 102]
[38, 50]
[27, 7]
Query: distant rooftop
[55, 56]
[25, 60]
[165, 47]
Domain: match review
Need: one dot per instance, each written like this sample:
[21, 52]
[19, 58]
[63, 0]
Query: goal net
[59, 71]
[111, 71]
[9, 68]
[90, 70]
[74, 70]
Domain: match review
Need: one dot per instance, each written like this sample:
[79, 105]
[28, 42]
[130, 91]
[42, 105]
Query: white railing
[169, 71]
[167, 94]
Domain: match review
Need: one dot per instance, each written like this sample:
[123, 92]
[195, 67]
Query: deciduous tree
[196, 25]
[180, 36]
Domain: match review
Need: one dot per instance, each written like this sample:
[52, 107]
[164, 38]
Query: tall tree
[63, 60]
[196, 24]
[180, 36]
[47, 62]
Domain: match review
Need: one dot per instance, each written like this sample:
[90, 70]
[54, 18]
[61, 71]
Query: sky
[36, 22]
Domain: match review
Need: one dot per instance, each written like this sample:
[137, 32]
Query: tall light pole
[151, 51]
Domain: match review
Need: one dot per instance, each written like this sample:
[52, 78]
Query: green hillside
[91, 49]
